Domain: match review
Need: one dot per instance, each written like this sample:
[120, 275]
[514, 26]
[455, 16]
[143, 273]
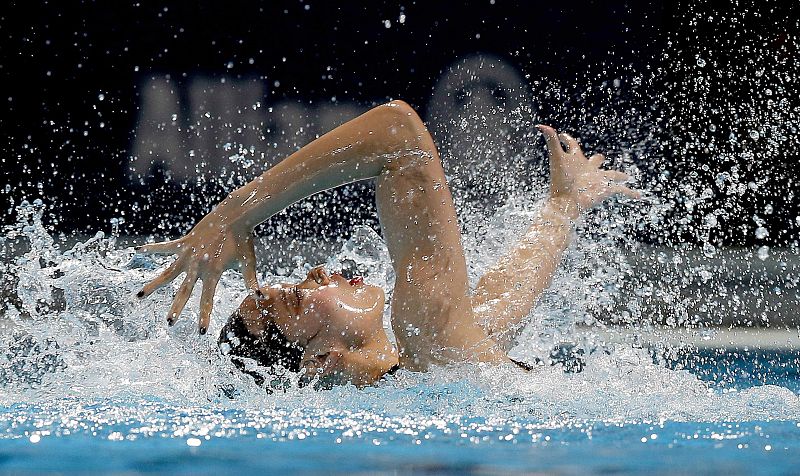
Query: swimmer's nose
[319, 276]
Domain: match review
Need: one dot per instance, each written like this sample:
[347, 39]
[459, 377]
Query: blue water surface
[679, 447]
[153, 436]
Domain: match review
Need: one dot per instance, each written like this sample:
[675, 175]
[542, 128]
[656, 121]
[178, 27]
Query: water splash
[88, 341]
[79, 345]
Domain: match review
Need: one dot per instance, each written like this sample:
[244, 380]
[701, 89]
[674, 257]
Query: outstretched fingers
[623, 190]
[163, 248]
[248, 266]
[207, 301]
[182, 297]
[616, 176]
[597, 160]
[163, 279]
[571, 143]
[551, 136]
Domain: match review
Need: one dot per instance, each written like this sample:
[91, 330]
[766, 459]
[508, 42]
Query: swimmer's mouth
[354, 281]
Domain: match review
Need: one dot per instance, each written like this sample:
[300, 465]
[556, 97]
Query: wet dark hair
[271, 349]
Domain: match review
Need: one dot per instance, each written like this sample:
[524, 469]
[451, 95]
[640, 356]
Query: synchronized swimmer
[331, 327]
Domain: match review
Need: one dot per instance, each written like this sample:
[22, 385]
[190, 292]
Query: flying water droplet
[194, 442]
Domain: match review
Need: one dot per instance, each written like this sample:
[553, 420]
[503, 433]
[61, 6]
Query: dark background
[63, 144]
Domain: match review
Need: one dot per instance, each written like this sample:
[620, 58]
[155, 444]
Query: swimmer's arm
[508, 291]
[506, 294]
[359, 149]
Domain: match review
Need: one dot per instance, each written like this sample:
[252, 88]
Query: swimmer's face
[338, 322]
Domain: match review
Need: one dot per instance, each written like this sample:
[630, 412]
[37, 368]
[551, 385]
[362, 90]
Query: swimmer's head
[338, 324]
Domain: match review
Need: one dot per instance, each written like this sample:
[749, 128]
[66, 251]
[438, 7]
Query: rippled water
[94, 380]
[88, 368]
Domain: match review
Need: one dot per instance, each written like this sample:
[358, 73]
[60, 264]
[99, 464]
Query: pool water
[581, 448]
[94, 381]
[742, 368]
[458, 420]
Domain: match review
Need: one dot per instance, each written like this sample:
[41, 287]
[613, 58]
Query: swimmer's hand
[212, 246]
[578, 183]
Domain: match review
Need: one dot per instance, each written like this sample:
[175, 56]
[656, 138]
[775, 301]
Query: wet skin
[338, 322]
[435, 317]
